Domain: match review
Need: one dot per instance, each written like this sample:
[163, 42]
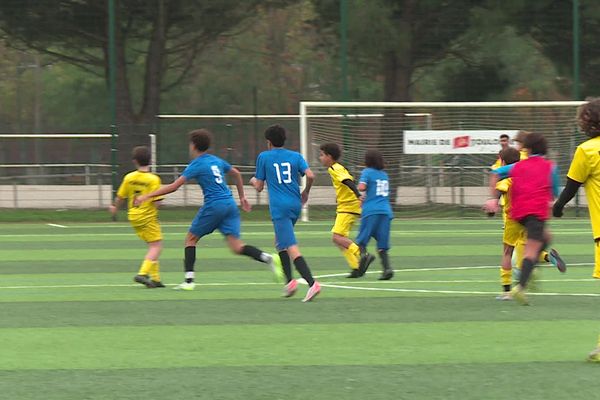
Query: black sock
[189, 261]
[526, 269]
[303, 270]
[286, 264]
[363, 250]
[385, 261]
[253, 252]
[506, 288]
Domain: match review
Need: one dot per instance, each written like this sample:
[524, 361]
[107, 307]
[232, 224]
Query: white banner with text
[454, 142]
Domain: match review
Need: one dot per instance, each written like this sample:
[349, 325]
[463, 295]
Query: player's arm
[117, 203]
[258, 180]
[310, 179]
[503, 172]
[120, 197]
[577, 175]
[239, 184]
[170, 188]
[257, 184]
[352, 186]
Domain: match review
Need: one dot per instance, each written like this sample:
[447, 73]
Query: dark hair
[520, 137]
[201, 139]
[536, 143]
[141, 154]
[276, 135]
[510, 155]
[504, 136]
[331, 149]
[588, 117]
[374, 159]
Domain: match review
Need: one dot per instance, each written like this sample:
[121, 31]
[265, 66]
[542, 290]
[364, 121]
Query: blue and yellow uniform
[219, 210]
[376, 209]
[282, 169]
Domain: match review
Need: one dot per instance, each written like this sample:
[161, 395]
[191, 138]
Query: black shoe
[364, 263]
[158, 284]
[386, 275]
[354, 274]
[144, 280]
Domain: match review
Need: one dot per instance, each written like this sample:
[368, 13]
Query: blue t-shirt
[282, 169]
[377, 200]
[209, 171]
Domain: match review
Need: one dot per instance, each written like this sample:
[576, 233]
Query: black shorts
[534, 227]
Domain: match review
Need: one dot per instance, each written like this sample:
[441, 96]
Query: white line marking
[55, 225]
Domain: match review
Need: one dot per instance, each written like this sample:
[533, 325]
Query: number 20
[285, 170]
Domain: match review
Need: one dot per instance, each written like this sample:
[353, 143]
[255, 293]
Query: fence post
[100, 202]
[87, 174]
[15, 196]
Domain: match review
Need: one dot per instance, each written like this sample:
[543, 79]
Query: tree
[157, 44]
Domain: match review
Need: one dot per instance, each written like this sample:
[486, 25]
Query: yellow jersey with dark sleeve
[504, 187]
[346, 199]
[135, 184]
[585, 169]
[497, 164]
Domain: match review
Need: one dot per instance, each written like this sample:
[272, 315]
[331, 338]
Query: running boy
[281, 169]
[534, 183]
[376, 213]
[348, 206]
[143, 216]
[219, 210]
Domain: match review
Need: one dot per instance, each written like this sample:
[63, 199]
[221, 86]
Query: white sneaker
[313, 291]
[185, 286]
[504, 296]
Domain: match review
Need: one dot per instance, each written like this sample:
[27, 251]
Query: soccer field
[74, 326]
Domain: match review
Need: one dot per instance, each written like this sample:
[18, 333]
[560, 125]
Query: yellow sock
[596, 260]
[155, 271]
[505, 276]
[352, 255]
[519, 252]
[146, 267]
[543, 255]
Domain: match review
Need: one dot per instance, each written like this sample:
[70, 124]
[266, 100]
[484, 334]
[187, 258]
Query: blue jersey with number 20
[209, 171]
[281, 169]
[377, 200]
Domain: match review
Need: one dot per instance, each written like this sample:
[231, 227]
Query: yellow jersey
[585, 168]
[504, 187]
[137, 183]
[345, 198]
[523, 154]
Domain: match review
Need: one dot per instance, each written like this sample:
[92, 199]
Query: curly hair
[588, 117]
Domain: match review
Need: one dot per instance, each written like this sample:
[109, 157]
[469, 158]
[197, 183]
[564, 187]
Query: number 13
[285, 170]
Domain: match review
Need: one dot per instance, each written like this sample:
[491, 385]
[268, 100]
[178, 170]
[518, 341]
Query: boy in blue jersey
[281, 169]
[219, 211]
[376, 213]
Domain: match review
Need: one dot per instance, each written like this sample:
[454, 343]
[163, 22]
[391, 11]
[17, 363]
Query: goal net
[437, 154]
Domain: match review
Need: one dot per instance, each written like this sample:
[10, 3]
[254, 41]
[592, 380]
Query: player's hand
[557, 210]
[362, 198]
[139, 200]
[253, 181]
[304, 197]
[112, 209]
[491, 206]
[245, 204]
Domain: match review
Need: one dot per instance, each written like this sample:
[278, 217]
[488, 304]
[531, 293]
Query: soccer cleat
[277, 268]
[290, 289]
[313, 291]
[158, 284]
[185, 286]
[518, 293]
[354, 274]
[556, 260]
[144, 280]
[363, 265]
[594, 356]
[504, 296]
[386, 275]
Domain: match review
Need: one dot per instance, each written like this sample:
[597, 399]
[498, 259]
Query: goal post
[443, 182]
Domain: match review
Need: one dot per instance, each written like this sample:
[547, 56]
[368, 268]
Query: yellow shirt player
[348, 207]
[143, 218]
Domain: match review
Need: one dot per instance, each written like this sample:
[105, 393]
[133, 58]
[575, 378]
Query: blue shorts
[376, 226]
[284, 233]
[224, 217]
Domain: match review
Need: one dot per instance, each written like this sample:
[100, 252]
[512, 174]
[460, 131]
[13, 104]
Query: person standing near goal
[377, 213]
[585, 170]
[219, 210]
[348, 207]
[281, 169]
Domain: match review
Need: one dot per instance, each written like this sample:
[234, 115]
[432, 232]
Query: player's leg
[151, 234]
[350, 250]
[367, 226]
[537, 238]
[155, 245]
[506, 272]
[382, 236]
[596, 274]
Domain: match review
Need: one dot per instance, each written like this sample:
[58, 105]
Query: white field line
[56, 225]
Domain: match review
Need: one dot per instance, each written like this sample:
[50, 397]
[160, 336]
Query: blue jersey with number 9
[377, 199]
[209, 171]
[282, 169]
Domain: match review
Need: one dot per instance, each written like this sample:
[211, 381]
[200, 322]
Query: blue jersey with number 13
[209, 171]
[281, 169]
[377, 199]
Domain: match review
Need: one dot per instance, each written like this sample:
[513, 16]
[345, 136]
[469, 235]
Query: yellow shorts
[343, 223]
[514, 233]
[148, 231]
